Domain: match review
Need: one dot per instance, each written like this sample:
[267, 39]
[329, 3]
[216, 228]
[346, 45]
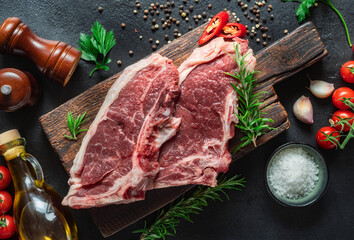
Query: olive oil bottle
[37, 208]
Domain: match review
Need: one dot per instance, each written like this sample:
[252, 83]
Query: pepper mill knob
[17, 89]
[55, 59]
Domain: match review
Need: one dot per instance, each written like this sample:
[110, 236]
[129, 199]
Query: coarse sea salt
[293, 173]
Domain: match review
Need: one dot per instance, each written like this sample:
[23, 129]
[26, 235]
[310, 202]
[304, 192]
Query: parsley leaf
[96, 47]
[303, 11]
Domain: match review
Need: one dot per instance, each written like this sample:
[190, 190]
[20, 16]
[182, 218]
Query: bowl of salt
[296, 175]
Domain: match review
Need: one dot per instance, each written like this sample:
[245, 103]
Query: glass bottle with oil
[37, 208]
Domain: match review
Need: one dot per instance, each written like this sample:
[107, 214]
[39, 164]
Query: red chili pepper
[232, 30]
[215, 25]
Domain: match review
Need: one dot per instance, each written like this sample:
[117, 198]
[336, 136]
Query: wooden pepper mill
[55, 59]
[17, 89]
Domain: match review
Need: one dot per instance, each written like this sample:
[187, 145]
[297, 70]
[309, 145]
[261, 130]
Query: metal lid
[15, 89]
[9, 136]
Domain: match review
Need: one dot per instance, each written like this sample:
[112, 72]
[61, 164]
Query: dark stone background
[251, 214]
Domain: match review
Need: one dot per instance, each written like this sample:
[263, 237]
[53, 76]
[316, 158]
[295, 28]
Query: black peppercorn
[131, 52]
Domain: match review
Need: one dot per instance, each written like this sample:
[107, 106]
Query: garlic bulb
[321, 89]
[303, 110]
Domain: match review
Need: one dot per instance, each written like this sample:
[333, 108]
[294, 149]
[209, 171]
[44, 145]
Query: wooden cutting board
[282, 59]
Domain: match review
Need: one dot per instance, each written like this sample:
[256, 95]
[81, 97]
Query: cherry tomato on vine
[5, 177]
[5, 202]
[215, 25]
[7, 227]
[343, 114]
[340, 93]
[321, 137]
[232, 30]
[347, 72]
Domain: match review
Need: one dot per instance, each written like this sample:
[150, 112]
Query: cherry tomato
[347, 72]
[215, 25]
[232, 30]
[340, 93]
[321, 137]
[7, 227]
[343, 114]
[5, 177]
[5, 201]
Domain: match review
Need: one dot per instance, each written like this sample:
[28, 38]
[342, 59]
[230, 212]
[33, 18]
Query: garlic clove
[321, 89]
[303, 110]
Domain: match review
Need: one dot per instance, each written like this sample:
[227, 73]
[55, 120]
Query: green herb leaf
[97, 46]
[167, 220]
[75, 124]
[251, 123]
[303, 11]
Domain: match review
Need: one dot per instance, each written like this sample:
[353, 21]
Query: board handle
[291, 54]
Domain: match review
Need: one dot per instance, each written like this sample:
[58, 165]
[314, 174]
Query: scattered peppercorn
[153, 47]
[150, 40]
[100, 9]
[210, 6]
[286, 31]
[135, 11]
[131, 52]
[119, 62]
[123, 25]
[264, 43]
[140, 37]
[167, 37]
[258, 40]
[145, 17]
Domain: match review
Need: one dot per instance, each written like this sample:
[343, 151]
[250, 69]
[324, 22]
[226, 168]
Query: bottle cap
[9, 136]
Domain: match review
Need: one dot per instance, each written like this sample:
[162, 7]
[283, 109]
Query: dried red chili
[215, 25]
[232, 30]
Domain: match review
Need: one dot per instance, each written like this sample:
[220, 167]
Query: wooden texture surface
[280, 60]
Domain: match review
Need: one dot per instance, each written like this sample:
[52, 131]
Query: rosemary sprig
[251, 123]
[75, 124]
[167, 220]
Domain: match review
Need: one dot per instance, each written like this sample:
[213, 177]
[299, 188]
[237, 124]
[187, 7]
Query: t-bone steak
[206, 106]
[117, 160]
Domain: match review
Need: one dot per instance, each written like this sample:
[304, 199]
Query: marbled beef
[117, 160]
[206, 106]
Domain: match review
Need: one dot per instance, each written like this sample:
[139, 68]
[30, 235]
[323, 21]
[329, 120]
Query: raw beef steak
[117, 160]
[206, 106]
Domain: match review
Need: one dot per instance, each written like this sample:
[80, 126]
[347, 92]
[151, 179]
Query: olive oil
[37, 208]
